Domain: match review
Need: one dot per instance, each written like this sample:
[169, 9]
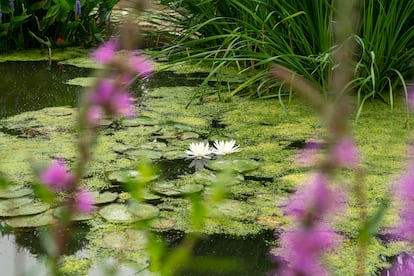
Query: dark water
[29, 86]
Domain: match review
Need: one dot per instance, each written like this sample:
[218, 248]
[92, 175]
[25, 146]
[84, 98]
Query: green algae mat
[264, 171]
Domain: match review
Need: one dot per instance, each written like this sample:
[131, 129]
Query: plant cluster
[51, 23]
[252, 35]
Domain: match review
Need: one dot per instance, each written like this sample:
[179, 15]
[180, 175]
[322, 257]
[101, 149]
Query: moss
[38, 55]
[74, 266]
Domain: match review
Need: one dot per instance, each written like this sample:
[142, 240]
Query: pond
[32, 86]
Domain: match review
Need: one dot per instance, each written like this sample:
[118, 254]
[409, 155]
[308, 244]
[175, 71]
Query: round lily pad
[124, 176]
[43, 219]
[129, 239]
[59, 213]
[140, 121]
[148, 196]
[166, 188]
[189, 135]
[154, 145]
[21, 207]
[120, 148]
[82, 81]
[191, 188]
[15, 191]
[105, 197]
[162, 224]
[143, 211]
[270, 221]
[235, 209]
[58, 111]
[138, 154]
[117, 213]
[175, 154]
[240, 166]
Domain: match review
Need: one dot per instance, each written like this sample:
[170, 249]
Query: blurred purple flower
[405, 196]
[345, 152]
[57, 176]
[78, 8]
[84, 201]
[113, 100]
[308, 155]
[93, 115]
[315, 200]
[402, 266]
[105, 53]
[142, 66]
[303, 247]
[410, 95]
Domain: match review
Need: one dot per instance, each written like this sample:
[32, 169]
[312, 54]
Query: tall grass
[252, 35]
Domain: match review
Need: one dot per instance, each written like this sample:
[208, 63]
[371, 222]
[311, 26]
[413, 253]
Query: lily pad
[84, 81]
[189, 135]
[120, 148]
[166, 188]
[59, 213]
[235, 209]
[154, 145]
[138, 154]
[15, 191]
[140, 121]
[58, 111]
[22, 206]
[143, 211]
[117, 213]
[148, 196]
[162, 224]
[174, 154]
[124, 176]
[43, 219]
[240, 166]
[105, 197]
[129, 239]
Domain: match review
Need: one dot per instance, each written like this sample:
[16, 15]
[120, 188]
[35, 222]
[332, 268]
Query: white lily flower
[225, 147]
[199, 151]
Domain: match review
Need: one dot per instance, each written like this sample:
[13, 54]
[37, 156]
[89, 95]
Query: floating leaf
[117, 213]
[162, 224]
[59, 213]
[139, 154]
[105, 197]
[175, 154]
[58, 111]
[143, 211]
[189, 135]
[120, 148]
[140, 121]
[82, 81]
[166, 188]
[240, 166]
[15, 191]
[129, 239]
[21, 207]
[43, 219]
[124, 176]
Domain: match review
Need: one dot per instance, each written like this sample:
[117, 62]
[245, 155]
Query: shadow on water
[223, 255]
[28, 86]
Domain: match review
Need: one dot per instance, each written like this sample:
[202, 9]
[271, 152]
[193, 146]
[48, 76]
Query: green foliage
[52, 23]
[254, 35]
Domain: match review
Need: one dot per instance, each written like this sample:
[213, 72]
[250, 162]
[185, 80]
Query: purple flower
[345, 152]
[78, 9]
[84, 201]
[402, 266]
[113, 100]
[93, 115]
[57, 176]
[405, 196]
[304, 246]
[411, 96]
[315, 200]
[105, 53]
[309, 155]
[141, 65]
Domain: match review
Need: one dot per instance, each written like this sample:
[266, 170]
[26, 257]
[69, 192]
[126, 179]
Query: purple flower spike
[141, 66]
[303, 247]
[93, 115]
[345, 153]
[78, 9]
[309, 155]
[411, 96]
[57, 176]
[316, 199]
[84, 201]
[105, 53]
[405, 195]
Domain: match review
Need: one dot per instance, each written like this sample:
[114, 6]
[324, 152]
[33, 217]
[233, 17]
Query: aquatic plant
[199, 150]
[252, 35]
[225, 147]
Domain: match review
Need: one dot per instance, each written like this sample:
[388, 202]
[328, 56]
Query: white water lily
[225, 147]
[199, 151]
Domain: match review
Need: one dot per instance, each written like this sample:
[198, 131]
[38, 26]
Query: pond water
[29, 86]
